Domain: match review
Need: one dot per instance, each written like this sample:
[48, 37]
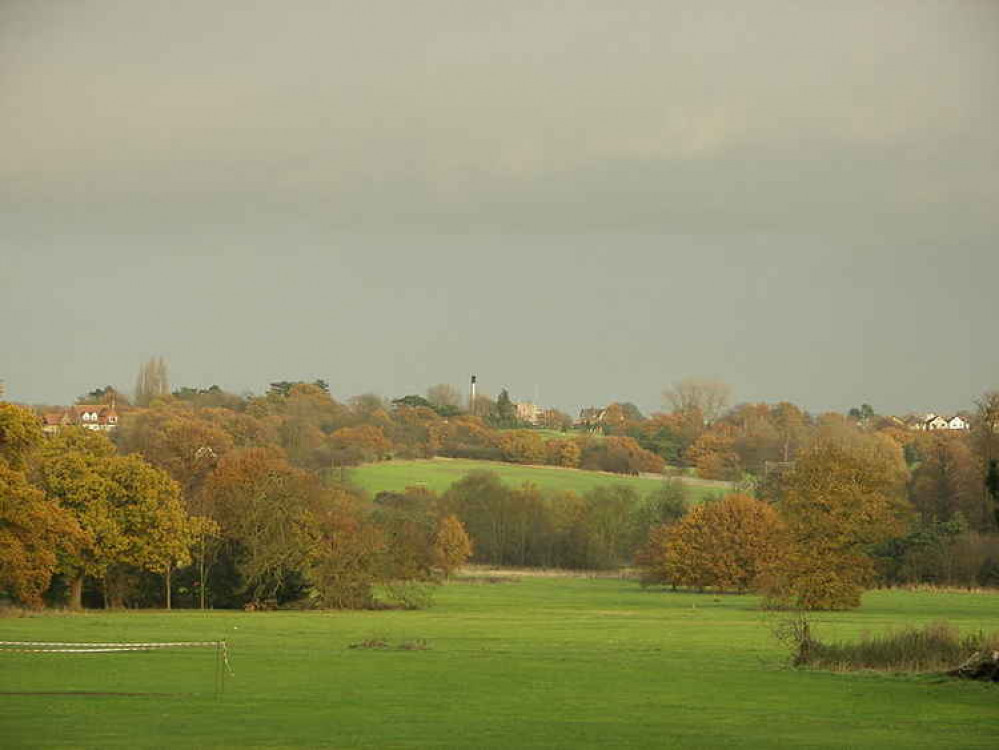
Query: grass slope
[440, 473]
[538, 663]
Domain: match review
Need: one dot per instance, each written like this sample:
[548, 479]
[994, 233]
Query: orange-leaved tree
[722, 544]
[34, 530]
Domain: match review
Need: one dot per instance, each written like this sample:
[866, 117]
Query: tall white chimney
[471, 396]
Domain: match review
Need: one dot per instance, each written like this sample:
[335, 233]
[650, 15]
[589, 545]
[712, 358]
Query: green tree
[505, 411]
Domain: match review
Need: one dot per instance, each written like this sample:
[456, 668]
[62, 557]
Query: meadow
[526, 662]
[440, 473]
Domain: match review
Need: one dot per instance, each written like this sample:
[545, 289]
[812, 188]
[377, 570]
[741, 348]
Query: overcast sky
[583, 200]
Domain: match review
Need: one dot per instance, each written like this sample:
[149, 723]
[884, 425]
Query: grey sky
[588, 198]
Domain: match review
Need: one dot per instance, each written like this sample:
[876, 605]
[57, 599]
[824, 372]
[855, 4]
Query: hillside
[440, 473]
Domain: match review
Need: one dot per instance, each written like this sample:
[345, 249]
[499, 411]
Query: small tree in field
[722, 544]
[452, 547]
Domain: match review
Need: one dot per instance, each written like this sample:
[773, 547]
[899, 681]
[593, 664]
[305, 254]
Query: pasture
[440, 473]
[528, 662]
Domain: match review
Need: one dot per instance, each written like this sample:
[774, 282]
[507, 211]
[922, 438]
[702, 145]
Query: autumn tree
[20, 434]
[408, 521]
[621, 455]
[265, 509]
[130, 512]
[452, 547]
[565, 453]
[714, 455]
[723, 544]
[844, 495]
[345, 557]
[522, 447]
[181, 442]
[356, 445]
[34, 532]
[947, 480]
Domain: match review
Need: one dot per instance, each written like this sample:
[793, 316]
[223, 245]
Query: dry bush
[936, 647]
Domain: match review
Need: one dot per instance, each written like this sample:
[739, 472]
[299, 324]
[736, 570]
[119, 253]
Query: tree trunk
[201, 574]
[167, 581]
[76, 592]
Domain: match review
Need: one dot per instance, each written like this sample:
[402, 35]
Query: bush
[937, 647]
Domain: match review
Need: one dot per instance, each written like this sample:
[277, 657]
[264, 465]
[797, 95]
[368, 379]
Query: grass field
[535, 663]
[440, 473]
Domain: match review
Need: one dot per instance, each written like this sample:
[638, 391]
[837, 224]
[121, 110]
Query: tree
[444, 397]
[563, 453]
[986, 436]
[553, 419]
[152, 382]
[34, 531]
[345, 558]
[505, 411]
[284, 387]
[714, 455]
[723, 544]
[663, 506]
[522, 447]
[844, 495]
[621, 455]
[183, 443]
[946, 481]
[356, 445]
[699, 398]
[20, 434]
[130, 513]
[266, 511]
[452, 547]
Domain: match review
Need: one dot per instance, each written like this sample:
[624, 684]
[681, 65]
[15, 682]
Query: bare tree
[443, 394]
[693, 395]
[152, 381]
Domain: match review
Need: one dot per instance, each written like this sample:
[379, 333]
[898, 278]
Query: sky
[579, 201]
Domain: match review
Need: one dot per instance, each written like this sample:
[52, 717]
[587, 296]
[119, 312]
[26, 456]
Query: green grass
[440, 473]
[538, 663]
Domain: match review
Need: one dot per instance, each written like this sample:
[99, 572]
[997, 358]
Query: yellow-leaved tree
[844, 495]
[130, 513]
[34, 530]
[452, 547]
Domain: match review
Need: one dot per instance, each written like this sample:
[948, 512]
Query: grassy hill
[528, 663]
[440, 473]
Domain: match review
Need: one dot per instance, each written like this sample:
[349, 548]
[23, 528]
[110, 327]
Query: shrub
[936, 647]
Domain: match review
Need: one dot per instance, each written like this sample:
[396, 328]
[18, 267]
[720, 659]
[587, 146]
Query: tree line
[218, 523]
[226, 500]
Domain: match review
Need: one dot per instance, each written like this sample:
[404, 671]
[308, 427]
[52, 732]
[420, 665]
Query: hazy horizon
[578, 200]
